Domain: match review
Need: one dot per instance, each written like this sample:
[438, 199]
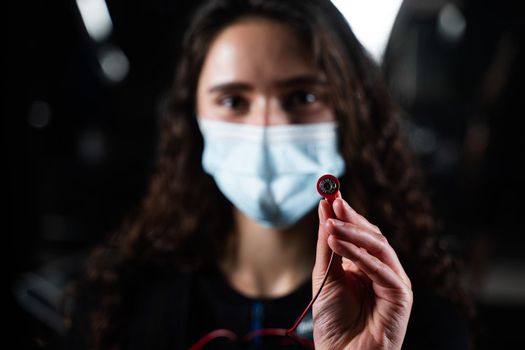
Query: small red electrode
[328, 187]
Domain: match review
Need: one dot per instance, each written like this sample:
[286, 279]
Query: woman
[231, 237]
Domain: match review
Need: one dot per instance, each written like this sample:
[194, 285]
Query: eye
[234, 102]
[300, 99]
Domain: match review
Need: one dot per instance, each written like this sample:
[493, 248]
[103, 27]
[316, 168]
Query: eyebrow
[295, 81]
[230, 87]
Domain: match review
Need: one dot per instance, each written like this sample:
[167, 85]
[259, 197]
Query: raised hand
[367, 298]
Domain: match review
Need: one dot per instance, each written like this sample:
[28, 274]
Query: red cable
[290, 330]
[224, 333]
[218, 333]
[330, 193]
[279, 332]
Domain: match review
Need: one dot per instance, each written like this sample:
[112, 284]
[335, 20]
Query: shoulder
[150, 309]
[158, 312]
[159, 285]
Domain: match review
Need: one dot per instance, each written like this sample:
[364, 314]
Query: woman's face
[258, 72]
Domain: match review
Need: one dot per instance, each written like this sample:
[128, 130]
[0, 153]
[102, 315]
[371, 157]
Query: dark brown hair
[183, 207]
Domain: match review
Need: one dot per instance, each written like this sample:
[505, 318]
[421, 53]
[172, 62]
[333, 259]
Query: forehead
[256, 48]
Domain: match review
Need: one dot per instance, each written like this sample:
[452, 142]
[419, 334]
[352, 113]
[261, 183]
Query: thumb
[323, 252]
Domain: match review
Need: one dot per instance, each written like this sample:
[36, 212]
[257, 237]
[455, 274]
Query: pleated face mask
[270, 172]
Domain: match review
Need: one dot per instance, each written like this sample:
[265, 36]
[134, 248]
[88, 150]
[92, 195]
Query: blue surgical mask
[270, 172]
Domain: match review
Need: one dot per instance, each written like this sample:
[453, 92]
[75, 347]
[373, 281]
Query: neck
[268, 262]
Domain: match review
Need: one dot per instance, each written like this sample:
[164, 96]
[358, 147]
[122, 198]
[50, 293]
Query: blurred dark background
[81, 130]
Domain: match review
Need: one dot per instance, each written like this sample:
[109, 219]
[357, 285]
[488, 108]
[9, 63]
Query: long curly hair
[183, 207]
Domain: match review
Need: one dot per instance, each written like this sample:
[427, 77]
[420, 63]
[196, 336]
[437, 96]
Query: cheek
[206, 108]
[322, 115]
[328, 115]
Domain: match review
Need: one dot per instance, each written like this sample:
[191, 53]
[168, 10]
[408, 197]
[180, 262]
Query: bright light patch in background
[96, 18]
[371, 21]
[451, 22]
[114, 64]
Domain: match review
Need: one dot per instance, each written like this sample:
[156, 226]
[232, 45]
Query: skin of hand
[367, 298]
